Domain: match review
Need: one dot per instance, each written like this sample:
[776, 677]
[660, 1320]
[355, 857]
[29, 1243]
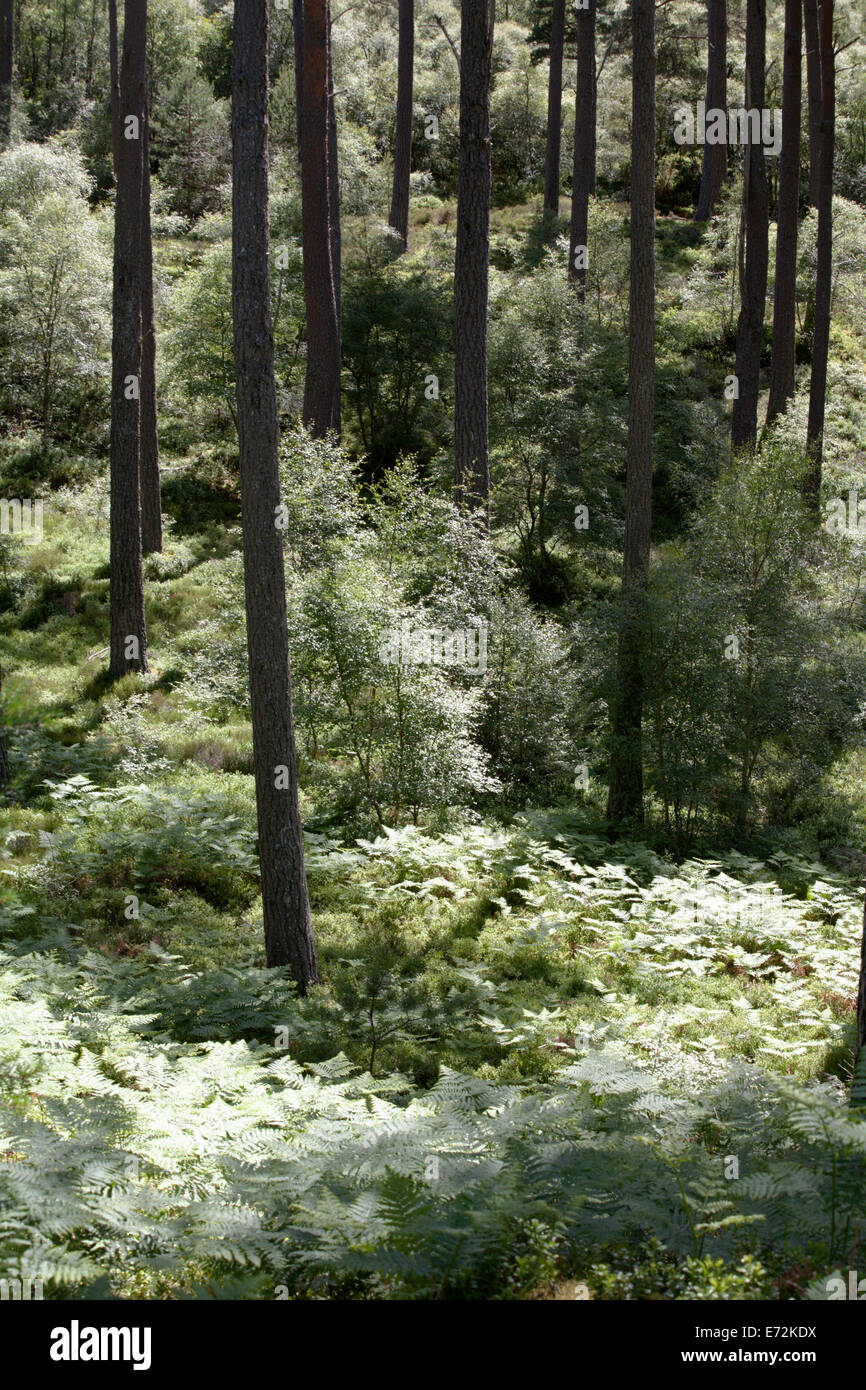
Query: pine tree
[399, 218]
[128, 632]
[151, 500]
[322, 387]
[811, 9]
[583, 170]
[288, 931]
[625, 796]
[824, 262]
[787, 223]
[715, 156]
[554, 111]
[7, 67]
[756, 221]
[471, 454]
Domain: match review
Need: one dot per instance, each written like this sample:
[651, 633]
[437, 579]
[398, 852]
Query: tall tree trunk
[335, 219]
[298, 32]
[811, 30]
[785, 289]
[114, 93]
[288, 931]
[583, 170]
[554, 110]
[5, 774]
[322, 387]
[128, 631]
[151, 500]
[7, 68]
[753, 293]
[471, 458]
[399, 218]
[715, 156]
[625, 796]
[824, 265]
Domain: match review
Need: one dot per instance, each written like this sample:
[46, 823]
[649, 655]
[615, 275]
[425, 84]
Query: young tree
[554, 111]
[811, 10]
[625, 795]
[583, 172]
[824, 262]
[128, 632]
[715, 156]
[471, 452]
[288, 931]
[7, 62]
[756, 220]
[787, 224]
[322, 387]
[399, 218]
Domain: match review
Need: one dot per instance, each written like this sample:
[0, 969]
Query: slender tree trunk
[128, 632]
[625, 797]
[322, 387]
[151, 500]
[288, 931]
[753, 296]
[471, 459]
[583, 171]
[114, 94]
[334, 192]
[399, 218]
[298, 31]
[785, 289]
[5, 774]
[811, 9]
[7, 68]
[824, 266]
[715, 156]
[554, 111]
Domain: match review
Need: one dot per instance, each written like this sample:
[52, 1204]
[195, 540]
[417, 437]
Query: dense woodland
[433, 645]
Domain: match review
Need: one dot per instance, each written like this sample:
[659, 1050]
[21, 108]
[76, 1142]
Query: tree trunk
[7, 67]
[824, 266]
[861, 994]
[322, 387]
[785, 289]
[471, 459]
[583, 172]
[399, 218]
[625, 797]
[554, 111]
[288, 931]
[128, 632]
[334, 193]
[298, 32]
[715, 156]
[5, 774]
[753, 294]
[114, 94]
[811, 29]
[151, 500]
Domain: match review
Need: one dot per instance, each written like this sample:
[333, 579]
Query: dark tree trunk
[824, 265]
[399, 219]
[715, 156]
[785, 289]
[114, 73]
[322, 387]
[288, 932]
[753, 290]
[583, 172]
[128, 632]
[625, 797]
[334, 193]
[811, 30]
[298, 31]
[554, 110]
[151, 501]
[471, 460]
[7, 67]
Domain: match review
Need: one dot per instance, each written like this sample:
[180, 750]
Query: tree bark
[399, 218]
[824, 265]
[322, 386]
[151, 500]
[583, 170]
[471, 457]
[787, 225]
[114, 93]
[554, 111]
[288, 931]
[753, 294]
[7, 68]
[298, 32]
[128, 631]
[335, 220]
[715, 156]
[625, 796]
[811, 10]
